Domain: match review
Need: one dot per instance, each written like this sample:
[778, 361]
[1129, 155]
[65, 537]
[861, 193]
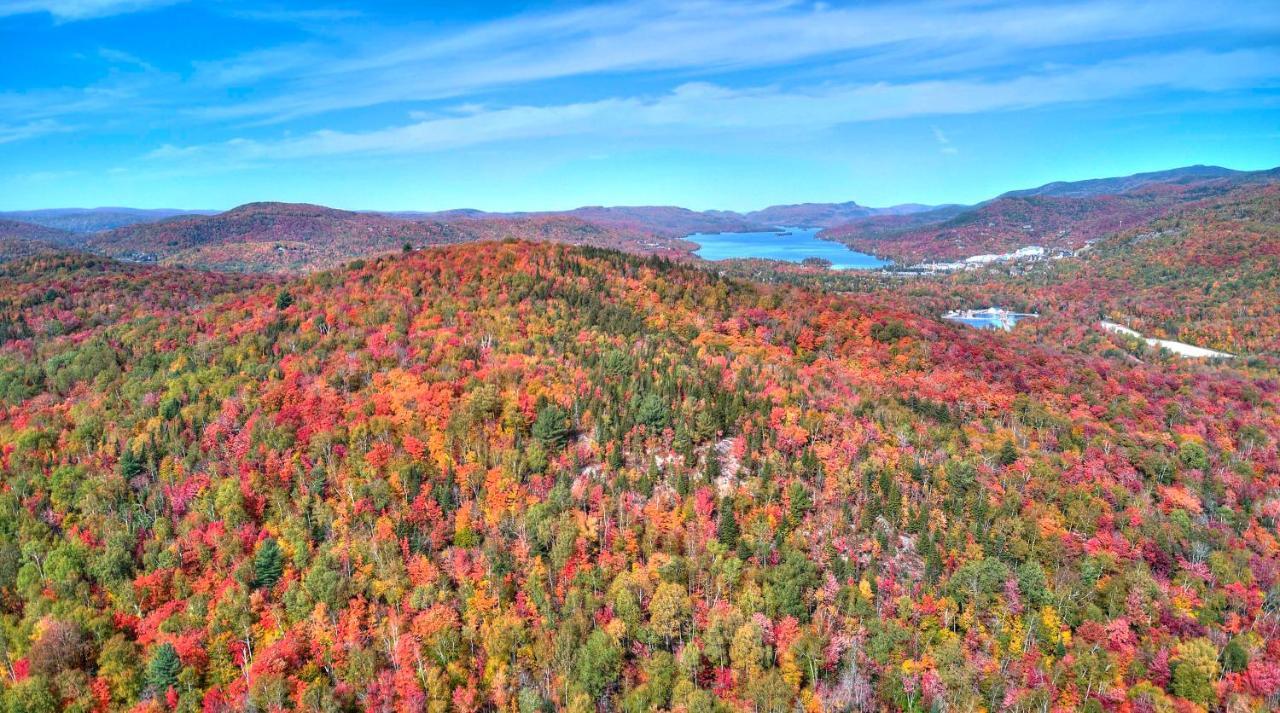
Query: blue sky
[734, 104]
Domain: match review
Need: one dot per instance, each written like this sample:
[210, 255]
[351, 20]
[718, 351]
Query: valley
[514, 465]
[596, 356]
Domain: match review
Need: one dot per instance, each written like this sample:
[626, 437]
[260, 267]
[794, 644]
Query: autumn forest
[541, 463]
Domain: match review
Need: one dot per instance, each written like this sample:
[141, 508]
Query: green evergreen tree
[1032, 582]
[1008, 454]
[552, 427]
[800, 501]
[711, 472]
[791, 583]
[162, 670]
[652, 412]
[617, 456]
[727, 527]
[268, 564]
[810, 466]
[683, 445]
[131, 466]
[1235, 657]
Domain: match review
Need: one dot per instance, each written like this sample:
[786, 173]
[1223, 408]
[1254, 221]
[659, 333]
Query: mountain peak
[1121, 184]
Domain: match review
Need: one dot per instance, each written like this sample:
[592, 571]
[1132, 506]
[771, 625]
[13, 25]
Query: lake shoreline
[793, 245]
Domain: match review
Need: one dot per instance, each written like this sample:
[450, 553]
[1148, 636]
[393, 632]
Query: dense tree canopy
[509, 476]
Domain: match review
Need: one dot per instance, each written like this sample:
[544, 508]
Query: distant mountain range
[668, 221]
[826, 215]
[1062, 215]
[1123, 184]
[288, 237]
[92, 220]
[678, 222]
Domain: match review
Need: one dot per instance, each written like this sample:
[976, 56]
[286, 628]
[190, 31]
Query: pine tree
[617, 457]
[1008, 454]
[683, 445]
[711, 472]
[268, 564]
[131, 465]
[652, 412]
[683, 486]
[727, 527]
[552, 427]
[162, 670]
[800, 502]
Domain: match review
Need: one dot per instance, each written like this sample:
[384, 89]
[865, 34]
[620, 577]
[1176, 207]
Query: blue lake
[796, 245]
[990, 318]
[986, 322]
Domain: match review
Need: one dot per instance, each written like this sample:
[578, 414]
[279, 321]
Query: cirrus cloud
[701, 108]
[876, 41]
[68, 10]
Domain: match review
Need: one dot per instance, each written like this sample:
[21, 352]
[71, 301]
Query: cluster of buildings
[1031, 252]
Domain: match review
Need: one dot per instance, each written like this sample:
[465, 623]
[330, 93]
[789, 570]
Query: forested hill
[50, 300]
[296, 237]
[1059, 216]
[1207, 274]
[21, 238]
[92, 220]
[517, 476]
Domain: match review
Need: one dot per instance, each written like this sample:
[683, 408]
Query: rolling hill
[508, 473]
[1187, 175]
[1206, 274]
[667, 221]
[16, 248]
[282, 237]
[664, 221]
[285, 237]
[19, 230]
[93, 220]
[671, 221]
[20, 240]
[826, 215]
[1063, 216]
[50, 297]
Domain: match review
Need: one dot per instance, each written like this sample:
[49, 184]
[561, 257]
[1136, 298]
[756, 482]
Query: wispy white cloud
[131, 94]
[944, 141]
[294, 16]
[120, 95]
[31, 129]
[116, 56]
[68, 10]
[701, 108]
[835, 64]
[37, 177]
[700, 37]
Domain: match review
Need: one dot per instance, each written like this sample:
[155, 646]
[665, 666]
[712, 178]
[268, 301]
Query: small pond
[989, 318]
